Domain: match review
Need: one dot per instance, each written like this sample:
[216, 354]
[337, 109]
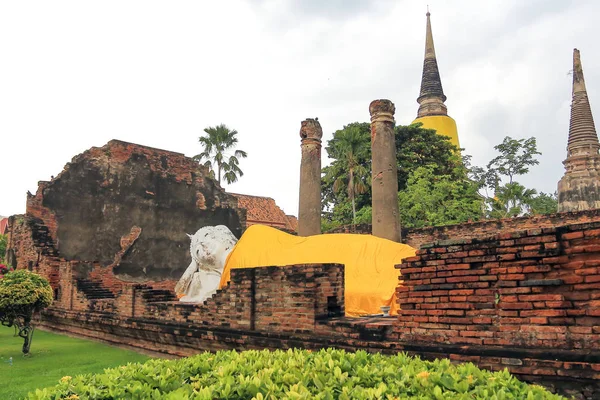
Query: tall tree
[516, 156]
[505, 197]
[511, 200]
[350, 147]
[220, 154]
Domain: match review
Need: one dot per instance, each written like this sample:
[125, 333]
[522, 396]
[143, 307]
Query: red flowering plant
[4, 270]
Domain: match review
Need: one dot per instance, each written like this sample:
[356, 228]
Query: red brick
[543, 313]
[580, 329]
[541, 297]
[519, 290]
[465, 340]
[559, 304]
[592, 279]
[515, 306]
[572, 279]
[536, 268]
[461, 292]
[572, 235]
[586, 286]
[543, 328]
[462, 279]
[509, 328]
[538, 320]
[592, 233]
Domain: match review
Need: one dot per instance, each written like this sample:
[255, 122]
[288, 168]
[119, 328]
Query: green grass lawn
[52, 357]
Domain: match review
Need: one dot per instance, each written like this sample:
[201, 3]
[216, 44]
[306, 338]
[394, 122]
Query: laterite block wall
[526, 300]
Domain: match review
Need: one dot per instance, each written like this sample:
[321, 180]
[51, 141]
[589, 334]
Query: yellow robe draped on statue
[370, 276]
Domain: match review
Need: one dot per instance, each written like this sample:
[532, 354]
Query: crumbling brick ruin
[522, 294]
[526, 300]
[120, 213]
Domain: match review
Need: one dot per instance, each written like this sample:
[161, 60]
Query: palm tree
[218, 141]
[351, 143]
[511, 200]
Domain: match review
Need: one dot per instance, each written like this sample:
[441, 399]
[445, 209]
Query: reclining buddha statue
[370, 278]
[209, 249]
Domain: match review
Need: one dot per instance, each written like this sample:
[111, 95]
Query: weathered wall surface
[129, 207]
[280, 307]
[527, 300]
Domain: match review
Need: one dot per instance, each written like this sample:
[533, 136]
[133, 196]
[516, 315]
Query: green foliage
[216, 143]
[516, 156]
[364, 215]
[511, 199]
[431, 200]
[295, 374]
[327, 225]
[418, 147]
[436, 186]
[544, 203]
[23, 288]
[3, 245]
[415, 147]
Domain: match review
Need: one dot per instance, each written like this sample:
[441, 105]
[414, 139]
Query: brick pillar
[386, 221]
[309, 208]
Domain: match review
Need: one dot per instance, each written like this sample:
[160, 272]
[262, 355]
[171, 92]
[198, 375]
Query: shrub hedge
[23, 288]
[295, 374]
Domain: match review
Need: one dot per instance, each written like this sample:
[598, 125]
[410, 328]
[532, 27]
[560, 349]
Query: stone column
[309, 210]
[386, 217]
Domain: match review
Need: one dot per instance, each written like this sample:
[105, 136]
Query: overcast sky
[76, 74]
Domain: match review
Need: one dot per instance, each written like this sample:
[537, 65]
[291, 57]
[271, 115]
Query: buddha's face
[210, 243]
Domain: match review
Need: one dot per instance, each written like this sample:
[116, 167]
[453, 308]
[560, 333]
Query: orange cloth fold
[370, 276]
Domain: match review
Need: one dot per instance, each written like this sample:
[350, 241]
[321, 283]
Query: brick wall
[36, 209]
[277, 307]
[275, 299]
[31, 247]
[527, 300]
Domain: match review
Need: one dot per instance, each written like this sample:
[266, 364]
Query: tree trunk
[351, 194]
[219, 173]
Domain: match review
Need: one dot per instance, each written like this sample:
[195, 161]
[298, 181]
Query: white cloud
[77, 74]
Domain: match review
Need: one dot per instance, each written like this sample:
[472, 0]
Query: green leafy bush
[23, 288]
[294, 374]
